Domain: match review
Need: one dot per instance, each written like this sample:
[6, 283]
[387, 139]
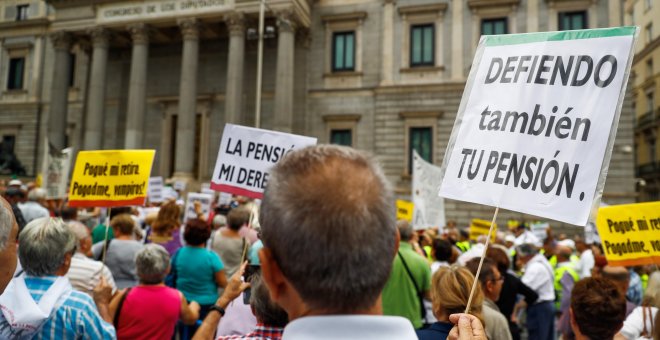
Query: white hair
[6, 222]
[44, 242]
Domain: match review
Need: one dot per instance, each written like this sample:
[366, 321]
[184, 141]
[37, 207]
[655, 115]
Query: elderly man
[539, 276]
[491, 281]
[565, 278]
[40, 302]
[85, 273]
[329, 232]
[8, 233]
[35, 207]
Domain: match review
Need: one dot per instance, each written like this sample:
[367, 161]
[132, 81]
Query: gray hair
[37, 194]
[79, 230]
[6, 222]
[152, 262]
[328, 217]
[267, 312]
[526, 249]
[652, 293]
[405, 230]
[44, 242]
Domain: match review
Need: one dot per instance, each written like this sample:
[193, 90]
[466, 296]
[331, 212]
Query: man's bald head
[563, 253]
[619, 275]
[328, 219]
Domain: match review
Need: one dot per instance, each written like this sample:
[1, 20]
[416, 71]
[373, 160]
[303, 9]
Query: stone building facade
[385, 76]
[646, 89]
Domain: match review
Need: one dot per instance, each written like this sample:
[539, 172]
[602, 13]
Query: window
[7, 144]
[22, 12]
[341, 137]
[421, 140]
[343, 51]
[422, 45]
[572, 20]
[650, 102]
[647, 4]
[649, 33]
[16, 69]
[72, 69]
[649, 68]
[494, 26]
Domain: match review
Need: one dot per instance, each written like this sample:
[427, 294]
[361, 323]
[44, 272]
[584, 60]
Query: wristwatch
[217, 309]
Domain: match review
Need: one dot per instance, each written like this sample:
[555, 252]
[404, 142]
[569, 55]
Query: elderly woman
[639, 324]
[40, 303]
[199, 271]
[151, 309]
[120, 251]
[450, 291]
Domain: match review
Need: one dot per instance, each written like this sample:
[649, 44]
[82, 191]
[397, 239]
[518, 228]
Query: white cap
[16, 182]
[567, 243]
[510, 238]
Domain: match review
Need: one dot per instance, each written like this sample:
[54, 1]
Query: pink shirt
[149, 312]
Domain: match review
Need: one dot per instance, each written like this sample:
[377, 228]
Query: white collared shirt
[363, 327]
[586, 263]
[540, 277]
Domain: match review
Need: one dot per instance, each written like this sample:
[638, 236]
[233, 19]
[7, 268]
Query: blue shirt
[437, 331]
[254, 252]
[76, 318]
[195, 270]
[635, 290]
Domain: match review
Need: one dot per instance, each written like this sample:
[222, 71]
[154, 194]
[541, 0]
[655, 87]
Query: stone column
[59, 92]
[137, 88]
[283, 115]
[96, 103]
[457, 40]
[387, 54]
[234, 89]
[185, 129]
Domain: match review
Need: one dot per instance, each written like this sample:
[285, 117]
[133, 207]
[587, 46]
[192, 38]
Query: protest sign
[480, 227]
[535, 128]
[155, 191]
[179, 185]
[204, 201]
[540, 229]
[404, 210]
[429, 208]
[56, 166]
[245, 156]
[110, 178]
[630, 233]
[224, 198]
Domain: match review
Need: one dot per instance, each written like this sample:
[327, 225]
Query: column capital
[189, 28]
[235, 23]
[100, 36]
[139, 33]
[286, 21]
[389, 2]
[61, 40]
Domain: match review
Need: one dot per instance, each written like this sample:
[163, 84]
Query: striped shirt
[260, 332]
[75, 318]
[85, 274]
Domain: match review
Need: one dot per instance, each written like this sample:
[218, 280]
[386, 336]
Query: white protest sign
[56, 166]
[429, 208]
[245, 156]
[204, 201]
[205, 186]
[536, 125]
[540, 229]
[224, 198]
[179, 185]
[155, 190]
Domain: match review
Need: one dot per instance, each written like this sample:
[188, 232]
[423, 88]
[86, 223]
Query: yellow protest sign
[480, 227]
[630, 233]
[110, 178]
[404, 210]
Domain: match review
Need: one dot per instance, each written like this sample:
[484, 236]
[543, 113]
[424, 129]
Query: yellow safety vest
[559, 273]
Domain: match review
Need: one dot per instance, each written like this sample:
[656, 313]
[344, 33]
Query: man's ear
[271, 273]
[397, 242]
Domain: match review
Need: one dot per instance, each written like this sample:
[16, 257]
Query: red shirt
[149, 312]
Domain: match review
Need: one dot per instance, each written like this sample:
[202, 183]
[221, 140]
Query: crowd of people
[325, 259]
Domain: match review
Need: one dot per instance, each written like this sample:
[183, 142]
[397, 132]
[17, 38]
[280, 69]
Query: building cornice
[353, 16]
[417, 9]
[478, 4]
[647, 50]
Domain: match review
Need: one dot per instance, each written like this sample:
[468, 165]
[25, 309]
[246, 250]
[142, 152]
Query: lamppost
[270, 33]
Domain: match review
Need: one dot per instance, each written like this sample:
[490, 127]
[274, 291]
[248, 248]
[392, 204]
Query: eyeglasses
[501, 278]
